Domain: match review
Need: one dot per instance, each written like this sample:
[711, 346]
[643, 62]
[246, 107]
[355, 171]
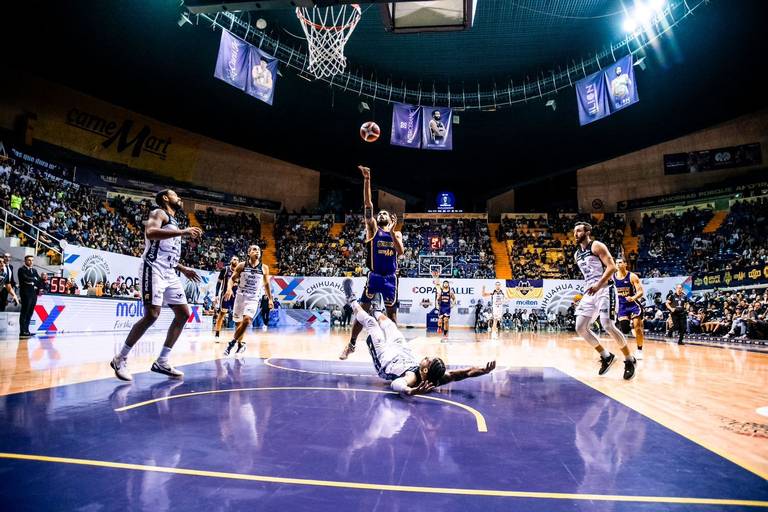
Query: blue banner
[406, 126]
[436, 131]
[232, 63]
[263, 75]
[592, 98]
[622, 88]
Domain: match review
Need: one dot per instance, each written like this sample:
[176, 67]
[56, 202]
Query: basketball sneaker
[229, 348]
[120, 365]
[348, 292]
[240, 348]
[377, 303]
[348, 349]
[166, 369]
[629, 368]
[605, 363]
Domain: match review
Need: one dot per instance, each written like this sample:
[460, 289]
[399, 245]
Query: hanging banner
[622, 89]
[592, 98]
[263, 75]
[406, 126]
[232, 62]
[436, 131]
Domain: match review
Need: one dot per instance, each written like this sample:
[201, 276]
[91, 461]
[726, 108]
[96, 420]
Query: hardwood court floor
[686, 429]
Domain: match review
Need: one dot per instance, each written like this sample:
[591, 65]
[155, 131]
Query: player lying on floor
[393, 359]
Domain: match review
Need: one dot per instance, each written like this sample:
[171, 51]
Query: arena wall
[499, 204]
[63, 117]
[641, 174]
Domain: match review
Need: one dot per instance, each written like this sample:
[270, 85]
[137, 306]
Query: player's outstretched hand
[193, 232]
[190, 274]
[489, 367]
[365, 170]
[394, 219]
[423, 388]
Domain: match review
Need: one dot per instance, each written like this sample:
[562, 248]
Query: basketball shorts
[445, 311]
[161, 287]
[496, 313]
[245, 306]
[228, 304]
[629, 310]
[386, 285]
[602, 303]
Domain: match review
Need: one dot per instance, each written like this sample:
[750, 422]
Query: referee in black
[676, 304]
[29, 286]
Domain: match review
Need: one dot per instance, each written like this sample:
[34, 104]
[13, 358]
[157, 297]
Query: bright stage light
[643, 13]
[630, 25]
[657, 5]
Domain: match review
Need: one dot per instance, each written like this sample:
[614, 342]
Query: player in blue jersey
[444, 300]
[223, 307]
[629, 288]
[383, 246]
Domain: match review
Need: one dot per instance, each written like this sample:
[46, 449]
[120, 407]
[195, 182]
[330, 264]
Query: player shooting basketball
[383, 245]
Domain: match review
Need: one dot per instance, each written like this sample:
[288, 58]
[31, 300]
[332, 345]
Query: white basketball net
[327, 30]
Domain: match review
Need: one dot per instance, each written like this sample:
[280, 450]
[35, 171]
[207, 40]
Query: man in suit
[29, 286]
[7, 282]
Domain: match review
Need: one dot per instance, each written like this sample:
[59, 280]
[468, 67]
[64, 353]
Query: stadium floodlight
[183, 20]
[658, 5]
[363, 107]
[643, 13]
[641, 63]
[552, 104]
[261, 23]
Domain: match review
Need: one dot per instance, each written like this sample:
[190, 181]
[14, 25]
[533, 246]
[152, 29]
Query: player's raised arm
[370, 222]
[467, 373]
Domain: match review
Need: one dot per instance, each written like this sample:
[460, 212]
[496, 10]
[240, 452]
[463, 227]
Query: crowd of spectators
[542, 246]
[465, 242]
[741, 314]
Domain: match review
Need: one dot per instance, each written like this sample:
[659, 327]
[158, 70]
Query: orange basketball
[370, 131]
[577, 297]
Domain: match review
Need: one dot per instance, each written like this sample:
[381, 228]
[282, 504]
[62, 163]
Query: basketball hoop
[436, 270]
[327, 30]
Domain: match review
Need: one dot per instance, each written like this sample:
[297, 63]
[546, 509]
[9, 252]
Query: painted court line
[269, 362]
[386, 487]
[479, 418]
[701, 443]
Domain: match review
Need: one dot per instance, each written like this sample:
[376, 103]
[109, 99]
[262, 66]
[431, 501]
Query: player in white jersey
[497, 304]
[394, 360]
[252, 280]
[597, 266]
[160, 284]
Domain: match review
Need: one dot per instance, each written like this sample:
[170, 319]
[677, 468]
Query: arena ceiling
[135, 55]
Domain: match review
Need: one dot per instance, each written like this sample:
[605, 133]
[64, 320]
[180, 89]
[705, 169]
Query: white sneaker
[120, 365]
[638, 355]
[166, 369]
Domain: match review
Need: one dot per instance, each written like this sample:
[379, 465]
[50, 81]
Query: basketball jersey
[497, 298]
[397, 358]
[444, 298]
[251, 284]
[163, 254]
[624, 287]
[226, 276]
[591, 266]
[381, 256]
